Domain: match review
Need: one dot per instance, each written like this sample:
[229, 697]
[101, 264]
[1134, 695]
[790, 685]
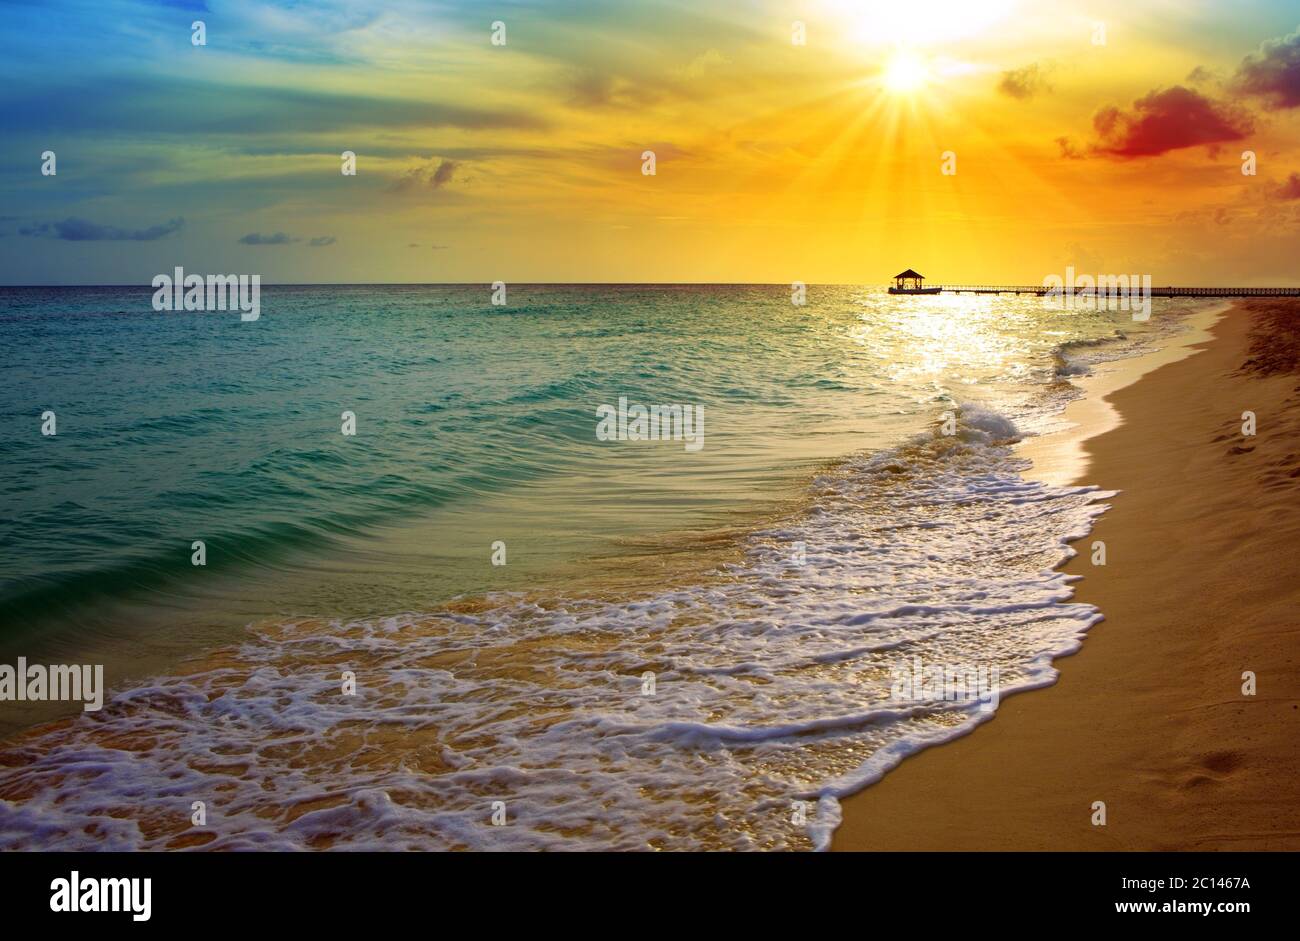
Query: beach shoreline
[429, 725]
[1198, 589]
[1061, 458]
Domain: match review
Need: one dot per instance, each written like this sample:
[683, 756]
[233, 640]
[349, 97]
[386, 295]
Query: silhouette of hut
[908, 280]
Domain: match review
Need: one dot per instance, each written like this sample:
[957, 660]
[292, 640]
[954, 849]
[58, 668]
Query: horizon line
[784, 284]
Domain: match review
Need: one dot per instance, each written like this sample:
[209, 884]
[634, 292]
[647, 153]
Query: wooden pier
[913, 282]
[1102, 289]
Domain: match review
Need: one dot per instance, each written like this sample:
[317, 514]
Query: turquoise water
[182, 426]
[857, 532]
[475, 424]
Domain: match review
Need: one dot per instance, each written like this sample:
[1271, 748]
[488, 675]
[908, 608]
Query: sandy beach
[1201, 585]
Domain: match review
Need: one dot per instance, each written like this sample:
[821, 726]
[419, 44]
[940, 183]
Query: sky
[998, 141]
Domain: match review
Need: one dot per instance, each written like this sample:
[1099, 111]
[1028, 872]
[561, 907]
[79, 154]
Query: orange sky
[775, 161]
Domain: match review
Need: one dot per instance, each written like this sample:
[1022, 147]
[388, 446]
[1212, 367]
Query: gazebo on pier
[908, 280]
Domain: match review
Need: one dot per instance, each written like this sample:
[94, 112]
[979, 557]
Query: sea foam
[730, 710]
[772, 694]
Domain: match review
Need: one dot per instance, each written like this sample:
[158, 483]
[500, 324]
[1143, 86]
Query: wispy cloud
[1069, 149]
[706, 62]
[80, 230]
[600, 88]
[276, 238]
[284, 238]
[133, 104]
[1024, 83]
[429, 176]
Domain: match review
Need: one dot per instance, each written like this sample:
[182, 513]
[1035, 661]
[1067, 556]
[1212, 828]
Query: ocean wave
[771, 675]
[771, 691]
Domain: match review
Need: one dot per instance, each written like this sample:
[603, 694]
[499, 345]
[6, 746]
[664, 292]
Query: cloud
[132, 104]
[1168, 119]
[1291, 188]
[79, 230]
[322, 240]
[1024, 83]
[442, 175]
[1272, 73]
[427, 176]
[593, 88]
[1069, 150]
[704, 63]
[278, 238]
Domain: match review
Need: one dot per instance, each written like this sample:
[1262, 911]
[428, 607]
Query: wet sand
[1201, 584]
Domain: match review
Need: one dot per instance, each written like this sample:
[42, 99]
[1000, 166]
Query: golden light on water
[938, 335]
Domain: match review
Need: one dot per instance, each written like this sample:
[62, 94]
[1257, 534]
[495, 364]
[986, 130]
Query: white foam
[772, 689]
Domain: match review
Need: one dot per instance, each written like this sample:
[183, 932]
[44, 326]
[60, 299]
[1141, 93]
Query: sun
[905, 71]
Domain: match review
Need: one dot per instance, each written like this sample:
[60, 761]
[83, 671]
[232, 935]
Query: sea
[365, 573]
